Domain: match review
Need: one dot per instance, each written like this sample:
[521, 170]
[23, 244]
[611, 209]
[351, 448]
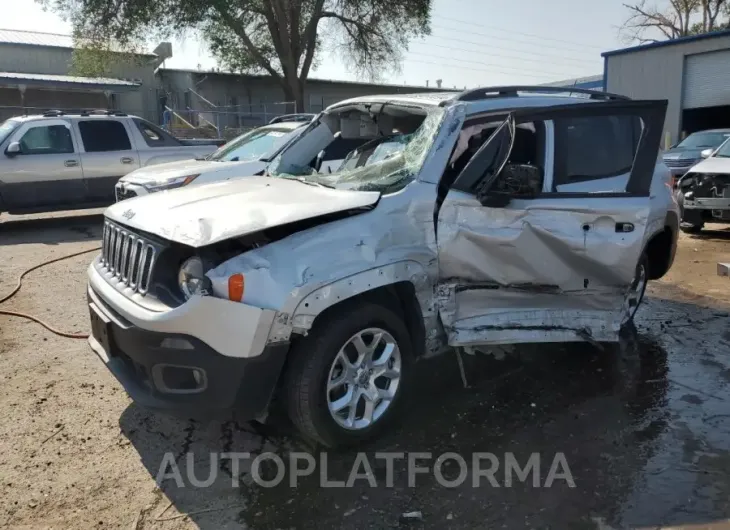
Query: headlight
[169, 184]
[192, 279]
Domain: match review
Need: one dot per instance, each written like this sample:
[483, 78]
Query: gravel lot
[646, 429]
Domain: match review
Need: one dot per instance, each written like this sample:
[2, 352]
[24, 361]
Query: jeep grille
[129, 257]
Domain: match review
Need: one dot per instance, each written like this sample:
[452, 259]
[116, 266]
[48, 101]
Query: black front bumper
[180, 374]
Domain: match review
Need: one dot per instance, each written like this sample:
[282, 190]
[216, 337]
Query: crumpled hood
[181, 168]
[201, 215]
[715, 164]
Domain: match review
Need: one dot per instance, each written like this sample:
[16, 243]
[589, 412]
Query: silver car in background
[58, 161]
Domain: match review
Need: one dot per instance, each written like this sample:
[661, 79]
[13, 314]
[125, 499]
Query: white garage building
[692, 73]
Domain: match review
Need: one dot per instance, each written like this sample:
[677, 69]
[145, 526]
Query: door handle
[126, 160]
[71, 163]
[624, 228]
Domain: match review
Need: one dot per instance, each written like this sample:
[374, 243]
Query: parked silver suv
[58, 161]
[497, 215]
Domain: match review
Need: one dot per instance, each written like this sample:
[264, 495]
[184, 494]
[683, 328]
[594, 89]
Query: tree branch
[240, 30]
[310, 38]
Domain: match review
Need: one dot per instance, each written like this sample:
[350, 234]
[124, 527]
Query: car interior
[524, 170]
[363, 138]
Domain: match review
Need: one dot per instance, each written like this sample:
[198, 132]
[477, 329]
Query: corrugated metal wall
[658, 73]
[20, 58]
[707, 80]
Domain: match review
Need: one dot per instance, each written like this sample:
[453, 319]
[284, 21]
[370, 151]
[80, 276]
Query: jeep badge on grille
[128, 214]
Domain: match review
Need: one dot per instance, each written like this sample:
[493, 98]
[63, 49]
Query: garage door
[707, 80]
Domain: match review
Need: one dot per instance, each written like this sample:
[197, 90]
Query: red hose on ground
[36, 319]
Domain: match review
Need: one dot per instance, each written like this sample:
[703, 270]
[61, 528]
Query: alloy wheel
[364, 379]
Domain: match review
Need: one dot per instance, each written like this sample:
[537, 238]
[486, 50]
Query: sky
[473, 42]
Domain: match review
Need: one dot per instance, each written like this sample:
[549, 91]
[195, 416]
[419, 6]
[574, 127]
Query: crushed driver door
[544, 265]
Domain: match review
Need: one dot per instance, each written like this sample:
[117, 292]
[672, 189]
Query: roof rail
[513, 91]
[53, 113]
[103, 112]
[293, 117]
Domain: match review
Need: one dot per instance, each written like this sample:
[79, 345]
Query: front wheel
[635, 294]
[348, 377]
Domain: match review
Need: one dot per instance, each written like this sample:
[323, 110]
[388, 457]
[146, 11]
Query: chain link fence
[218, 122]
[223, 121]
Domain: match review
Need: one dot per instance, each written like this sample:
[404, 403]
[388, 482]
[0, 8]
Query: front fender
[313, 304]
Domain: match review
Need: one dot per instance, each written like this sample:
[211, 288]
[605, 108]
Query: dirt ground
[645, 429]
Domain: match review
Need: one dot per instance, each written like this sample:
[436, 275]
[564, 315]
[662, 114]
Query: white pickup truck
[58, 161]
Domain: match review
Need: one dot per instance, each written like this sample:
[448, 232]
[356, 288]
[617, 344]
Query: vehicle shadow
[547, 399]
[50, 230]
[710, 234]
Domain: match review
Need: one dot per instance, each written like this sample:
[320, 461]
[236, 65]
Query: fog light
[176, 344]
[173, 379]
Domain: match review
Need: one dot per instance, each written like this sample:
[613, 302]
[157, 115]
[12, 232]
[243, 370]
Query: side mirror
[707, 153]
[13, 149]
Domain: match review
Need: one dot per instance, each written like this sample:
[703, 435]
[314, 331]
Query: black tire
[684, 226]
[643, 262]
[311, 359]
[691, 229]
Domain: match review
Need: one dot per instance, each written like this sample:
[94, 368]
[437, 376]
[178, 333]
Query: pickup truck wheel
[637, 289]
[347, 377]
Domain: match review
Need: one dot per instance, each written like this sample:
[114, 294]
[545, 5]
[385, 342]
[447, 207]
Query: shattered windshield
[385, 164]
[257, 144]
[724, 151]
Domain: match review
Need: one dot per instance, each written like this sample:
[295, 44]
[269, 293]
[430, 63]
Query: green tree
[278, 37]
[672, 19]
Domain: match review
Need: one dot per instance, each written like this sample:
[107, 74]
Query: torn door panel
[535, 273]
[526, 315]
[535, 244]
[535, 327]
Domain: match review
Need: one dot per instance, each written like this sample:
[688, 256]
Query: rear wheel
[635, 294]
[347, 377]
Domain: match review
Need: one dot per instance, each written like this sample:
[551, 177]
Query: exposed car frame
[703, 193]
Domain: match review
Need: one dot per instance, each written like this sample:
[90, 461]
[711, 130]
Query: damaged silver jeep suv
[460, 220]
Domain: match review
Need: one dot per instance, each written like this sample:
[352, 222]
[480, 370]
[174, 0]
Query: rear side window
[150, 133]
[101, 136]
[153, 135]
[596, 147]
